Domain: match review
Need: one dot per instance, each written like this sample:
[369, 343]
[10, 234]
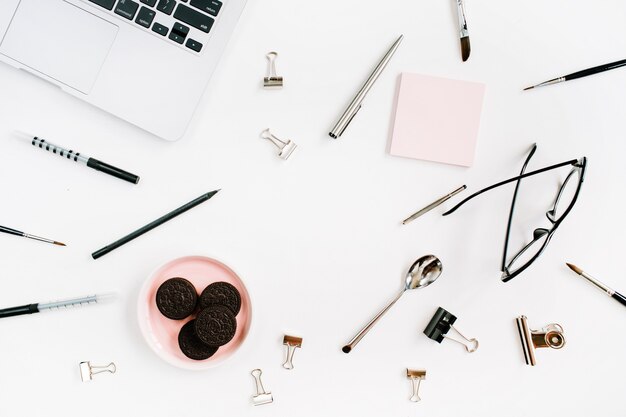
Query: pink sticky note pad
[437, 119]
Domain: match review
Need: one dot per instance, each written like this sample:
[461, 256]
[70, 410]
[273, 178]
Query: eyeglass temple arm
[519, 177]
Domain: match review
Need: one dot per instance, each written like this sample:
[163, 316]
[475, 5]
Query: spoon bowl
[423, 272]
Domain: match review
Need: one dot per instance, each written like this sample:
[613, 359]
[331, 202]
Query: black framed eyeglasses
[562, 205]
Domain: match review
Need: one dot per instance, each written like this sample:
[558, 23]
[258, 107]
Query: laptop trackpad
[60, 40]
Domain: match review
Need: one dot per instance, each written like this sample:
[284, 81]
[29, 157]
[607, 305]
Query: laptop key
[126, 8]
[107, 4]
[166, 6]
[179, 33]
[145, 17]
[193, 45]
[182, 30]
[160, 29]
[176, 37]
[212, 7]
[150, 3]
[191, 17]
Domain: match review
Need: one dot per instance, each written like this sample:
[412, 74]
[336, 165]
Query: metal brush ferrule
[462, 21]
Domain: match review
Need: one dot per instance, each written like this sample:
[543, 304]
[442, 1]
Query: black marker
[78, 157]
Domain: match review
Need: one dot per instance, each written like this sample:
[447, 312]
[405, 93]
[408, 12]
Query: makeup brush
[463, 32]
[580, 74]
[610, 292]
[26, 235]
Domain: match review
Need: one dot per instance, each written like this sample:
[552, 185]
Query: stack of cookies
[215, 310]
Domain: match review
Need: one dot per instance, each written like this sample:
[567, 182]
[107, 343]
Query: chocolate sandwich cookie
[221, 293]
[191, 345]
[176, 298]
[216, 325]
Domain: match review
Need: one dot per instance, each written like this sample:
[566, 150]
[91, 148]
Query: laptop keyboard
[183, 22]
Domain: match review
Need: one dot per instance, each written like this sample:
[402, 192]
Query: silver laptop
[145, 61]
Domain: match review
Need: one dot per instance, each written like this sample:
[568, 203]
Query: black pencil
[169, 216]
[580, 74]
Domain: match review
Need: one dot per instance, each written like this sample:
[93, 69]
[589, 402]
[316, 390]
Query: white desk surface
[318, 239]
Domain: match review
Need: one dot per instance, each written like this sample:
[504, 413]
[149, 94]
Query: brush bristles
[59, 243]
[574, 268]
[465, 48]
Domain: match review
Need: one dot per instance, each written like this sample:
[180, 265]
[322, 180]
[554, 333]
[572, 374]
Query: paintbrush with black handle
[580, 74]
[14, 232]
[610, 292]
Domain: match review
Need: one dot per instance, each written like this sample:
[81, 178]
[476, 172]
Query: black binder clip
[440, 325]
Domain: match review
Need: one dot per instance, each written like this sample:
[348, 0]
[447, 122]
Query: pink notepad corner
[437, 119]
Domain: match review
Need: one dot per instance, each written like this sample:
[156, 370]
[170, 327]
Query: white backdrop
[317, 239]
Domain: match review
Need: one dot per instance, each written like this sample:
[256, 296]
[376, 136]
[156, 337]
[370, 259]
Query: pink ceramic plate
[161, 333]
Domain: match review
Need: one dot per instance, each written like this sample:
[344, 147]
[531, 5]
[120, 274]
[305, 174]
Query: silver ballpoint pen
[355, 105]
[433, 205]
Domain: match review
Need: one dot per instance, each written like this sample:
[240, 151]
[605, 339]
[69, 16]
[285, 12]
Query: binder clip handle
[471, 345]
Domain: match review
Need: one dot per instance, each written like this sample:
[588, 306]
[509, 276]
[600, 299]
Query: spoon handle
[352, 343]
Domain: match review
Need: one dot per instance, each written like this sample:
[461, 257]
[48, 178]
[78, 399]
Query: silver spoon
[421, 274]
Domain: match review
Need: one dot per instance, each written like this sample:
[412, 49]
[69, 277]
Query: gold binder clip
[292, 343]
[416, 376]
[550, 336]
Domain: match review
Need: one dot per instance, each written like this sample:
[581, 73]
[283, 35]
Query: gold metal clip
[416, 376]
[550, 336]
[292, 342]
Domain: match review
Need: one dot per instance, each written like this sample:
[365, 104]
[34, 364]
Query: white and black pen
[55, 305]
[78, 157]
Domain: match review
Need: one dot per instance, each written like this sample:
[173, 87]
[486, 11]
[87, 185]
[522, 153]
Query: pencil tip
[574, 268]
[59, 243]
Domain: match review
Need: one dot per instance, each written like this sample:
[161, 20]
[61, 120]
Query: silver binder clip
[550, 336]
[261, 397]
[292, 343]
[286, 148]
[272, 80]
[87, 370]
[416, 376]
